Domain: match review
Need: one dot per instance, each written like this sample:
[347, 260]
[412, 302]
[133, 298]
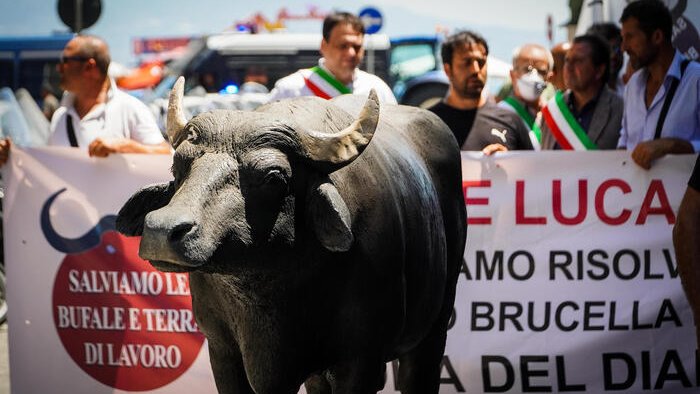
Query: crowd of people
[575, 96]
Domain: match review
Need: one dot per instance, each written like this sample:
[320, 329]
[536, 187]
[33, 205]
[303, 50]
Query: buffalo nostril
[180, 231]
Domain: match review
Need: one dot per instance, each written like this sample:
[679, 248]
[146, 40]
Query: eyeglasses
[66, 59]
[530, 67]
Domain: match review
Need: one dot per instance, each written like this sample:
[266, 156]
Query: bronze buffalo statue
[320, 244]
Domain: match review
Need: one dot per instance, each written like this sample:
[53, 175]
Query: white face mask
[531, 85]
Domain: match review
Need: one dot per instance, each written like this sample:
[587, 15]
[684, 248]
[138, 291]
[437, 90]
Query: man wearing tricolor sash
[587, 116]
[336, 72]
[532, 66]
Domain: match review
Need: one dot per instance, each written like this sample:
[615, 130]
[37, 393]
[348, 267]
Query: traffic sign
[79, 14]
[372, 19]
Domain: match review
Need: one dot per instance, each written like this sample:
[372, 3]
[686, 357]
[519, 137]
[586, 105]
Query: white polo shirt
[121, 116]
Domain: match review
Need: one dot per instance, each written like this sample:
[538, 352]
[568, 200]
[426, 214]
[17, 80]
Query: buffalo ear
[130, 218]
[330, 218]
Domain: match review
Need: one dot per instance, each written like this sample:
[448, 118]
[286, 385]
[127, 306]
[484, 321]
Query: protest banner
[569, 281]
[87, 315]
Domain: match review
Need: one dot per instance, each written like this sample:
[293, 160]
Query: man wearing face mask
[532, 66]
[476, 123]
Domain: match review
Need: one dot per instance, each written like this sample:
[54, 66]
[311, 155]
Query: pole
[370, 55]
[596, 11]
[78, 15]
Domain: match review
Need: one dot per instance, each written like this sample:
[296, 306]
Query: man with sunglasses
[94, 114]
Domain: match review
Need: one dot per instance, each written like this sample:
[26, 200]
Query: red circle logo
[124, 323]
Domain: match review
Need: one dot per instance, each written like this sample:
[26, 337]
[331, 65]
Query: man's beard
[466, 92]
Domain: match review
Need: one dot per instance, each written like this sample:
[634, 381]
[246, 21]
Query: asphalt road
[4, 362]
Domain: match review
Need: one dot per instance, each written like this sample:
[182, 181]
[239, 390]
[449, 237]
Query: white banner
[89, 316]
[569, 281]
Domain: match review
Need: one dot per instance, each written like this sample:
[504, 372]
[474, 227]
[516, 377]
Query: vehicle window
[33, 73]
[7, 71]
[411, 60]
[225, 70]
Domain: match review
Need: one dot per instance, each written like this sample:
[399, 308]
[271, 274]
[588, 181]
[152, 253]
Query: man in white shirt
[646, 37]
[337, 72]
[94, 114]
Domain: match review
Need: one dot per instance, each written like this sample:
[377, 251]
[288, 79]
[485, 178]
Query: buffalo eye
[275, 181]
[267, 172]
[275, 177]
[271, 185]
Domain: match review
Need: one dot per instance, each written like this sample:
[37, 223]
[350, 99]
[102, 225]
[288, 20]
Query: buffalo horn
[176, 116]
[343, 147]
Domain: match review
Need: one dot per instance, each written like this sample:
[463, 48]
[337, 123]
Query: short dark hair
[607, 30]
[651, 15]
[335, 18]
[460, 38]
[600, 51]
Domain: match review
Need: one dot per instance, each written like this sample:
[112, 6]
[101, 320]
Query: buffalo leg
[318, 384]
[419, 369]
[229, 373]
[360, 377]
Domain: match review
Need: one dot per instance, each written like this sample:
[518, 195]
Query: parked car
[219, 63]
[215, 68]
[416, 70]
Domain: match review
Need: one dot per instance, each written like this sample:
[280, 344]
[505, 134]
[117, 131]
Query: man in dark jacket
[588, 115]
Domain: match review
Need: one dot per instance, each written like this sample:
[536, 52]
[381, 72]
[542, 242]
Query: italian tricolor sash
[323, 84]
[565, 129]
[535, 132]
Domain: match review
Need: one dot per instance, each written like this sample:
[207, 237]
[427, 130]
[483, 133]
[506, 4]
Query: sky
[504, 23]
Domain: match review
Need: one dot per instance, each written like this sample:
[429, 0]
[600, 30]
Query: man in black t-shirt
[686, 241]
[476, 123]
